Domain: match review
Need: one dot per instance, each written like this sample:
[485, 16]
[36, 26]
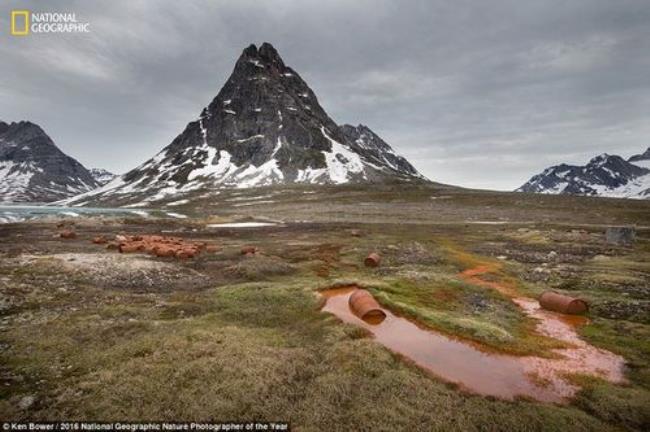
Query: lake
[16, 213]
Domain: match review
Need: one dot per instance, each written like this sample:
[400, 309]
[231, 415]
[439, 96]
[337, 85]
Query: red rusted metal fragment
[128, 247]
[68, 234]
[158, 245]
[249, 250]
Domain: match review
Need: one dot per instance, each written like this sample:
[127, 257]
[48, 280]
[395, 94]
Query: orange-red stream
[484, 371]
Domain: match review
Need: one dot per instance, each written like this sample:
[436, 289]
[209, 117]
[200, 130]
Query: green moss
[465, 310]
[631, 340]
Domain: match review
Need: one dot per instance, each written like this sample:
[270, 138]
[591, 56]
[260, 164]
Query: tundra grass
[467, 311]
[279, 358]
[256, 345]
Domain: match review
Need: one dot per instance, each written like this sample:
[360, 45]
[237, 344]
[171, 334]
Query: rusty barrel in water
[561, 303]
[364, 305]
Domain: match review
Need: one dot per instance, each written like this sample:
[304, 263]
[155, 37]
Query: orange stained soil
[482, 371]
[473, 276]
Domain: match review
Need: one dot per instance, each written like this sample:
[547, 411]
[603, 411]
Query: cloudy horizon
[477, 94]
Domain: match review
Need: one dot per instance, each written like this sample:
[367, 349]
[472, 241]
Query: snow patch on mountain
[341, 161]
[33, 169]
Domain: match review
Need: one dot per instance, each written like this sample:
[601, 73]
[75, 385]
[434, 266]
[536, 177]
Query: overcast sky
[474, 93]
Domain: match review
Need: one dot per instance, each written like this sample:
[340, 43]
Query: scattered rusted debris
[160, 246]
[364, 305]
[561, 303]
[100, 240]
[622, 235]
[68, 234]
[372, 260]
[129, 247]
[212, 249]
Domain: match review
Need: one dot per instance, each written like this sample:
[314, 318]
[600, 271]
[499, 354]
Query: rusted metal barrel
[364, 305]
[68, 234]
[249, 250]
[372, 260]
[560, 303]
[185, 253]
[165, 251]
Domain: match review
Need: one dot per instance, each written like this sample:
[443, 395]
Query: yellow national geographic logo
[24, 22]
[20, 22]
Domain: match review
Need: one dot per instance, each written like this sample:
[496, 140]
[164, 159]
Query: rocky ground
[87, 332]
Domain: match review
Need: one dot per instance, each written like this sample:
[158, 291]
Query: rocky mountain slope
[264, 127]
[33, 169]
[605, 175]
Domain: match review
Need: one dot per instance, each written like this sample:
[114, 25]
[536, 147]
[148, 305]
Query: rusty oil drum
[561, 303]
[364, 305]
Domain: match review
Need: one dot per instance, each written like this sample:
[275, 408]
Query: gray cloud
[475, 93]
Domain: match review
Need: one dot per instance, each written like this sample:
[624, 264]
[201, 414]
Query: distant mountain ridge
[101, 175]
[264, 127]
[642, 160]
[34, 169]
[605, 175]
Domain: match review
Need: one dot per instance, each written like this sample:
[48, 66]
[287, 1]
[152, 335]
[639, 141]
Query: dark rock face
[269, 99]
[33, 169]
[604, 175]
[264, 127]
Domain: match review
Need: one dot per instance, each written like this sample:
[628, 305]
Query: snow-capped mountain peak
[604, 175]
[599, 160]
[642, 160]
[33, 169]
[265, 127]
